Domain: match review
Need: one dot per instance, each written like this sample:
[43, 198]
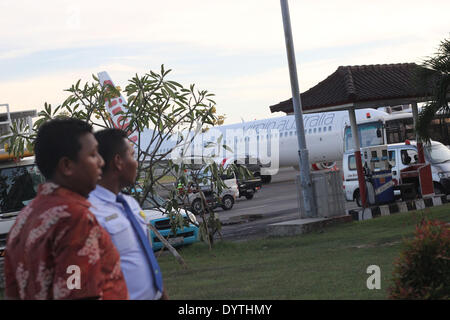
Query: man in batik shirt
[56, 248]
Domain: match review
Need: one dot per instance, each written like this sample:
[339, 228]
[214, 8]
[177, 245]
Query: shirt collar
[49, 188]
[104, 194]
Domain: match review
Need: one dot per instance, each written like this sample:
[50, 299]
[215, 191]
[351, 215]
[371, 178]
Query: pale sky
[234, 48]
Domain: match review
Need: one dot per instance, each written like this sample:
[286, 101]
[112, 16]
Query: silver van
[402, 155]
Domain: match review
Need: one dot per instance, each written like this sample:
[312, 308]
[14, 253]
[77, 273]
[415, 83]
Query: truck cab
[19, 178]
[19, 181]
[18, 186]
[401, 156]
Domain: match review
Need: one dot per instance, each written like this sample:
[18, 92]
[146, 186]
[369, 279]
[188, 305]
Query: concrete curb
[300, 226]
[393, 208]
[241, 219]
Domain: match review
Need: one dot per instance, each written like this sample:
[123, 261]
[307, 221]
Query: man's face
[129, 169]
[87, 169]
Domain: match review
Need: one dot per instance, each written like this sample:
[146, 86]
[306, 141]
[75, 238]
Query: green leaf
[227, 148]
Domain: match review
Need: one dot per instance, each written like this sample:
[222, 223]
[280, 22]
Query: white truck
[19, 179]
[400, 156]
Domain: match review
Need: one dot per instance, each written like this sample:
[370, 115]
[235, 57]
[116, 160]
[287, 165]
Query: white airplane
[324, 134]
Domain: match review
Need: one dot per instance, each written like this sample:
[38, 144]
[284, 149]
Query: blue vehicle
[183, 236]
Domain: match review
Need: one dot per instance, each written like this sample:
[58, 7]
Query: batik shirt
[57, 250]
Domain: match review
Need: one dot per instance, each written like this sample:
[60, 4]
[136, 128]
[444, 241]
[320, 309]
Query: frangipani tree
[157, 109]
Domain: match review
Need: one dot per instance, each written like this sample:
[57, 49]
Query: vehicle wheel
[227, 202]
[266, 179]
[196, 206]
[249, 196]
[357, 198]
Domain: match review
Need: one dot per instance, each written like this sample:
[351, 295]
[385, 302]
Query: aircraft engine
[323, 165]
[320, 166]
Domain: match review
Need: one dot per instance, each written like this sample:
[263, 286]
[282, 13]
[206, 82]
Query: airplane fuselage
[260, 139]
[323, 133]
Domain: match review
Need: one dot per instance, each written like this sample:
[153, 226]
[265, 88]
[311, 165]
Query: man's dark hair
[110, 143]
[56, 139]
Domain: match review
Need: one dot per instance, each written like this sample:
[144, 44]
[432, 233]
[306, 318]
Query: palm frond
[437, 70]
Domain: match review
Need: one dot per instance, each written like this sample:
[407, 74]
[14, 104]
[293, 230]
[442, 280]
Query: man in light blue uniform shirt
[119, 171]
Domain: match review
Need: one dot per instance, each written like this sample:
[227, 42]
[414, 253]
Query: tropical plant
[423, 269]
[157, 109]
[436, 70]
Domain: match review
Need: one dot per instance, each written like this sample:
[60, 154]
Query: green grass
[327, 265]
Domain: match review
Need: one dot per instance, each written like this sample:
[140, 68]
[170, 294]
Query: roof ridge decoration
[349, 82]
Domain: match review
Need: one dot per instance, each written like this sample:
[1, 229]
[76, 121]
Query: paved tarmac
[275, 202]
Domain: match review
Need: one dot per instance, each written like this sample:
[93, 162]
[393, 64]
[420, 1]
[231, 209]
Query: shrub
[423, 269]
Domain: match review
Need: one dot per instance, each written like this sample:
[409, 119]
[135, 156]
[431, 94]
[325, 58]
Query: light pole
[305, 175]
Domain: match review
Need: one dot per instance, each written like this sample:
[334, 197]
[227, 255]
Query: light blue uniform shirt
[135, 267]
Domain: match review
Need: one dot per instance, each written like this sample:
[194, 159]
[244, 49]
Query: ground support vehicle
[400, 157]
[153, 212]
[255, 169]
[19, 181]
[248, 188]
[226, 199]
[191, 198]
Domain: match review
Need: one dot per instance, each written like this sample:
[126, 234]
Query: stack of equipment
[378, 175]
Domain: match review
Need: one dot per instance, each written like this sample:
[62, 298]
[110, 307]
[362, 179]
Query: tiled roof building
[366, 84]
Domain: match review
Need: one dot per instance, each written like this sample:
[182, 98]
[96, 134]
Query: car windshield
[153, 202]
[18, 186]
[437, 153]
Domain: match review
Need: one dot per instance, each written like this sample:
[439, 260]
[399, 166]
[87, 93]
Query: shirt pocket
[121, 235]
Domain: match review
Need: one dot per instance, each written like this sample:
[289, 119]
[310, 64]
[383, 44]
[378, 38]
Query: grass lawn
[327, 265]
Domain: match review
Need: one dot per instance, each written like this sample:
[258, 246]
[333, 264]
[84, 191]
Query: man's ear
[65, 166]
[117, 162]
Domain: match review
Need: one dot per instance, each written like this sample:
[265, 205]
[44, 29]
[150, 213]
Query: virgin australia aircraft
[271, 142]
